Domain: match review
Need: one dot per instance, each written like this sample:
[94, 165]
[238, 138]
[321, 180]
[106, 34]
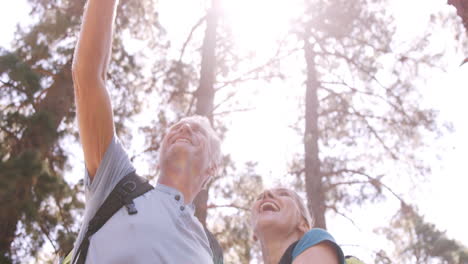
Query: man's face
[186, 146]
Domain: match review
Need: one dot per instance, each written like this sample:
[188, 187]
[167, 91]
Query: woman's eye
[202, 131]
[283, 194]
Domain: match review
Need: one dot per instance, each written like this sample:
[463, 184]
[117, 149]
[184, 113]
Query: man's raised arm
[92, 54]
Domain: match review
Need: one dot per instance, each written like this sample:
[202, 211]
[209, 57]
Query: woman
[279, 220]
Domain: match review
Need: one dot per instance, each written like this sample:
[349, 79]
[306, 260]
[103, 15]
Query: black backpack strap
[287, 256]
[130, 187]
[216, 249]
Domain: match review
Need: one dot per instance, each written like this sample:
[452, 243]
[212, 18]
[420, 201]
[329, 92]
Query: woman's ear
[254, 238]
[303, 226]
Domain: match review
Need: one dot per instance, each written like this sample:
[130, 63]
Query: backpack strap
[352, 260]
[216, 249]
[130, 187]
[287, 256]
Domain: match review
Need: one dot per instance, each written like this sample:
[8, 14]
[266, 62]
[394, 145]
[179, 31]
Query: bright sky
[441, 199]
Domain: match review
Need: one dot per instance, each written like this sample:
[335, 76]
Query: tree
[361, 104]
[417, 241]
[462, 10]
[37, 121]
[187, 92]
[205, 92]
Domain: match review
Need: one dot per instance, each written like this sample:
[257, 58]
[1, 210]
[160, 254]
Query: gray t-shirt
[165, 229]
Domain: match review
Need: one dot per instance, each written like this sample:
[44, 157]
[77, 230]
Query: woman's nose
[268, 194]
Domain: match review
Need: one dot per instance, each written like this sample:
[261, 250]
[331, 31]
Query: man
[165, 229]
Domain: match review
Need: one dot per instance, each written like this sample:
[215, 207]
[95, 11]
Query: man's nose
[186, 127]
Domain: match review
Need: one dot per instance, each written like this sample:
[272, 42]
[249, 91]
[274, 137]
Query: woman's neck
[274, 245]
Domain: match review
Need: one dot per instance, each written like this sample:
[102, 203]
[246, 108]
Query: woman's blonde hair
[306, 214]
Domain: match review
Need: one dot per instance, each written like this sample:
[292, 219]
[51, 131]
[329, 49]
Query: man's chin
[180, 147]
[178, 152]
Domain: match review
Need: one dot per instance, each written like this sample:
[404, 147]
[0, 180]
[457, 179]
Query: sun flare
[257, 24]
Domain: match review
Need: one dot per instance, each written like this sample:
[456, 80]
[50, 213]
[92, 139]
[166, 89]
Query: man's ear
[210, 173]
[212, 170]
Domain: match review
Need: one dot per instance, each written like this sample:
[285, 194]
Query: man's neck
[274, 245]
[183, 182]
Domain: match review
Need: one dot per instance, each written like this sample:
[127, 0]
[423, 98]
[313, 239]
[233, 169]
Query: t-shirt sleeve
[113, 167]
[314, 237]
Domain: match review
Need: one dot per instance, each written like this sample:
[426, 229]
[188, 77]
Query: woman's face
[276, 210]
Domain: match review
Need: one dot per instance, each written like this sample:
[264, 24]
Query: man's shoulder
[113, 167]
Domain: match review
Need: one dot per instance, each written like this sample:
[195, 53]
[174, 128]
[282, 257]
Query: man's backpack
[287, 256]
[129, 188]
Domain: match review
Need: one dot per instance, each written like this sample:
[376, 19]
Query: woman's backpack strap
[287, 256]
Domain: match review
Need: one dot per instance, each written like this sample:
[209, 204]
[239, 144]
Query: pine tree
[362, 114]
[37, 115]
[418, 241]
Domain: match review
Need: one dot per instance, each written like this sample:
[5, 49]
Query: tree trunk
[462, 10]
[205, 92]
[313, 176]
[39, 136]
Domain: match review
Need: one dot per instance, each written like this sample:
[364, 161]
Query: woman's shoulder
[314, 237]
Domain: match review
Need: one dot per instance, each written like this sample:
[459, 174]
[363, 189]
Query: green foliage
[368, 85]
[418, 241]
[357, 111]
[19, 73]
[38, 205]
[234, 194]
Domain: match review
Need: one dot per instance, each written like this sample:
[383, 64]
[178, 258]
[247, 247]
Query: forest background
[358, 105]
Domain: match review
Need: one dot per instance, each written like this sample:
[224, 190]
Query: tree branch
[343, 215]
[228, 206]
[256, 69]
[363, 118]
[189, 37]
[46, 233]
[43, 71]
[372, 180]
[232, 111]
[57, 202]
[10, 134]
[331, 186]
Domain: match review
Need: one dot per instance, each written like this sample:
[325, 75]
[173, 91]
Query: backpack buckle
[131, 209]
[129, 186]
